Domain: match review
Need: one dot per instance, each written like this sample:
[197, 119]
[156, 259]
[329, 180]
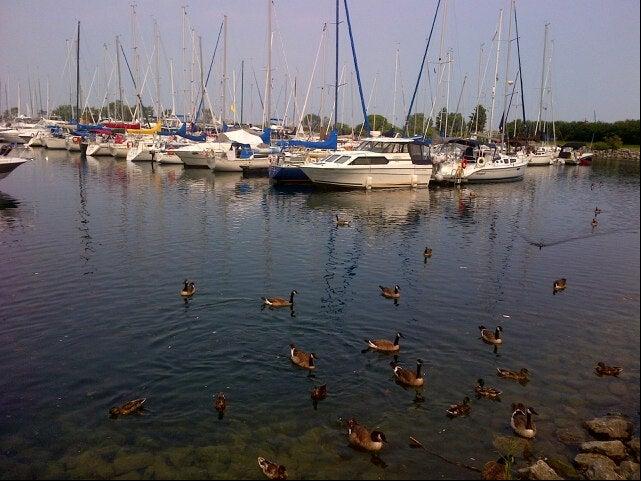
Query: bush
[601, 146]
[614, 141]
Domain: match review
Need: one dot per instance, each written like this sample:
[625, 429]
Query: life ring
[480, 161]
[76, 140]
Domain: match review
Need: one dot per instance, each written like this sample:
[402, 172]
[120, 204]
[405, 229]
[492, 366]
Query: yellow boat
[151, 131]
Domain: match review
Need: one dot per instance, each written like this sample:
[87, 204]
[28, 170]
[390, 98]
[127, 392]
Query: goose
[497, 470]
[491, 337]
[427, 252]
[410, 378]
[521, 421]
[487, 392]
[383, 345]
[603, 370]
[560, 284]
[390, 292]
[361, 437]
[597, 210]
[189, 288]
[130, 407]
[342, 222]
[272, 470]
[521, 376]
[595, 222]
[301, 358]
[279, 301]
[462, 409]
[220, 404]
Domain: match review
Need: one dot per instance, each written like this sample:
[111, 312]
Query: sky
[593, 46]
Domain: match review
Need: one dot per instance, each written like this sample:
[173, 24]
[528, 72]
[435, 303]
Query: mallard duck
[498, 469]
[560, 284]
[462, 409]
[427, 252]
[521, 421]
[521, 376]
[220, 404]
[130, 407]
[603, 370]
[487, 392]
[342, 222]
[272, 470]
[383, 345]
[189, 288]
[361, 437]
[279, 301]
[301, 358]
[597, 210]
[595, 222]
[391, 292]
[410, 378]
[491, 337]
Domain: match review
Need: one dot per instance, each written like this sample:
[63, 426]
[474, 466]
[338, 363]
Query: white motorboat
[543, 155]
[201, 154]
[489, 168]
[376, 163]
[9, 164]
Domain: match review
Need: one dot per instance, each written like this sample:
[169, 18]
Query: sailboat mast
[158, 113]
[478, 93]
[507, 73]
[242, 89]
[173, 90]
[395, 82]
[202, 69]
[336, 70]
[496, 71]
[545, 42]
[224, 92]
[518, 52]
[122, 118]
[268, 93]
[78, 73]
[48, 113]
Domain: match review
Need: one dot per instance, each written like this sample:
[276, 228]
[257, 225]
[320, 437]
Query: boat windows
[367, 145]
[331, 158]
[342, 159]
[369, 161]
[420, 154]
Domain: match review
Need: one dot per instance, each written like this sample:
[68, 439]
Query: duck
[319, 393]
[342, 222]
[491, 337]
[522, 376]
[301, 358]
[521, 421]
[487, 392]
[560, 284]
[497, 470]
[272, 470]
[128, 408]
[597, 210]
[603, 370]
[462, 409]
[595, 222]
[279, 301]
[189, 288]
[361, 437]
[220, 404]
[410, 378]
[427, 252]
[391, 292]
[383, 345]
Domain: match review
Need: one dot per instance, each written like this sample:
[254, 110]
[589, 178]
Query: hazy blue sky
[595, 53]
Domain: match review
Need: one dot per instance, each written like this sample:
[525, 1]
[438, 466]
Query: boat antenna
[135, 86]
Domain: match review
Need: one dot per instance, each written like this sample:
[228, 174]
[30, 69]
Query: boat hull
[538, 160]
[8, 165]
[96, 149]
[56, 143]
[369, 177]
[260, 165]
[288, 174]
[498, 174]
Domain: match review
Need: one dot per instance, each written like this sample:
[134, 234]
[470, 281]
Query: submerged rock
[628, 470]
[597, 466]
[127, 462]
[611, 449]
[571, 436]
[633, 446]
[610, 427]
[563, 466]
[539, 470]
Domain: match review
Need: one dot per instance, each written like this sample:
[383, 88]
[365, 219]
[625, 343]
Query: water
[93, 255]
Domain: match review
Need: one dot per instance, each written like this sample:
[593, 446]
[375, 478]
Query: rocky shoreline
[618, 154]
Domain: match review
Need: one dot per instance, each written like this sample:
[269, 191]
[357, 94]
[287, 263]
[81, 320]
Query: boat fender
[480, 161]
[76, 140]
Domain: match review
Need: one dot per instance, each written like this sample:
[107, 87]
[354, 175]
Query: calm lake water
[93, 254]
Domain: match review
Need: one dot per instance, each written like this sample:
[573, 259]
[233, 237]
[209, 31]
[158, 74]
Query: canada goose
[220, 404]
[462, 409]
[597, 210]
[560, 284]
[130, 407]
[301, 358]
[487, 392]
[521, 421]
[279, 301]
[318, 393]
[361, 437]
[391, 292]
[491, 337]
[521, 376]
[499, 469]
[342, 222]
[410, 378]
[427, 252]
[189, 288]
[603, 370]
[272, 470]
[595, 222]
[383, 345]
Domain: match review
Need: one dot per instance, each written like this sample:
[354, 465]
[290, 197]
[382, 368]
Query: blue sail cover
[181, 131]
[329, 143]
[80, 126]
[266, 136]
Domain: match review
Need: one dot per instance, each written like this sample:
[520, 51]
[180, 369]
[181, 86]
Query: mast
[507, 73]
[358, 75]
[173, 90]
[545, 42]
[478, 93]
[496, 71]
[224, 92]
[336, 71]
[48, 113]
[518, 51]
[395, 77]
[158, 113]
[182, 62]
[202, 70]
[448, 59]
[268, 93]
[78, 74]
[39, 97]
[136, 57]
[30, 94]
[242, 89]
[122, 115]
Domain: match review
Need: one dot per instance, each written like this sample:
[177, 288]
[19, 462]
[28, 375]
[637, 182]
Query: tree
[377, 122]
[478, 119]
[63, 111]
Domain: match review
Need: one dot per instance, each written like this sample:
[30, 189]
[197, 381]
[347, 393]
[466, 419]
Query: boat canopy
[329, 143]
[241, 136]
[573, 145]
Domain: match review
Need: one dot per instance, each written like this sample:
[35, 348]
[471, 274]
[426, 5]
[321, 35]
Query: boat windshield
[342, 159]
[383, 147]
[331, 158]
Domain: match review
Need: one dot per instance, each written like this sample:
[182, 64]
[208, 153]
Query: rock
[127, 462]
[572, 435]
[628, 470]
[610, 427]
[596, 466]
[611, 449]
[510, 445]
[539, 470]
[633, 446]
[563, 467]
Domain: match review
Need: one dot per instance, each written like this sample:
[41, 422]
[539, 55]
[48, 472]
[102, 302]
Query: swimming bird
[383, 345]
[391, 292]
[341, 221]
[410, 378]
[427, 252]
[461, 409]
[363, 438]
[521, 421]
[220, 404]
[560, 284]
[279, 301]
[130, 407]
[597, 211]
[603, 370]
[497, 470]
[521, 376]
[318, 393]
[487, 392]
[491, 337]
[595, 222]
[189, 288]
[301, 358]
[272, 470]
